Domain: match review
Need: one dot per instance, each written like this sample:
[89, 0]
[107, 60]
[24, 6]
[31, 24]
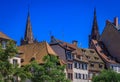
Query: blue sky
[67, 19]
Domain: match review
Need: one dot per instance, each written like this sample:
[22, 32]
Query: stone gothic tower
[95, 30]
[28, 37]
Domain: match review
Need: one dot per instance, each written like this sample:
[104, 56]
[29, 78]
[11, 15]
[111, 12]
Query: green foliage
[107, 76]
[8, 71]
[50, 71]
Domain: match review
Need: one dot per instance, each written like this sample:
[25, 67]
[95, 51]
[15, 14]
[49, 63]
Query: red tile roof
[37, 51]
[102, 55]
[3, 36]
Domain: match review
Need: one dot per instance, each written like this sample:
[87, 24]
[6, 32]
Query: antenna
[80, 45]
[50, 33]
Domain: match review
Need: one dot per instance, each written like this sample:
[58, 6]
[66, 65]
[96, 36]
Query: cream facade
[80, 72]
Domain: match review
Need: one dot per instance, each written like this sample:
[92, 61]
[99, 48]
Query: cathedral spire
[28, 37]
[95, 30]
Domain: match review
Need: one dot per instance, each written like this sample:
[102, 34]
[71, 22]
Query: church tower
[28, 37]
[95, 30]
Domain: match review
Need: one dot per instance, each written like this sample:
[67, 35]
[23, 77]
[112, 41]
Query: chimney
[75, 42]
[116, 21]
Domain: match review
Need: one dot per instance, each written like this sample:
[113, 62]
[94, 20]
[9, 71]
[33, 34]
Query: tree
[107, 76]
[8, 71]
[50, 71]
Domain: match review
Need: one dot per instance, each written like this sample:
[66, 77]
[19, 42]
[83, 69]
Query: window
[83, 76]
[15, 62]
[118, 69]
[82, 66]
[88, 57]
[92, 65]
[79, 76]
[96, 58]
[69, 66]
[70, 76]
[86, 76]
[75, 64]
[115, 68]
[32, 59]
[91, 51]
[85, 66]
[79, 66]
[90, 75]
[3, 44]
[100, 65]
[69, 55]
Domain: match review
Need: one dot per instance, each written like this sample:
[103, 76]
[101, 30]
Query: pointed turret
[95, 30]
[28, 37]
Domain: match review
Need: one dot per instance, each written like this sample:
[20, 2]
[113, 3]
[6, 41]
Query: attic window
[91, 51]
[100, 65]
[83, 50]
[96, 58]
[92, 65]
[22, 60]
[32, 59]
[88, 57]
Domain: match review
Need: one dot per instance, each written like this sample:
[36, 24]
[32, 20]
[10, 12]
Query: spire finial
[95, 11]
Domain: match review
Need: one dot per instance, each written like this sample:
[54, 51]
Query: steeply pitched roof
[36, 51]
[101, 53]
[92, 56]
[95, 30]
[63, 44]
[3, 36]
[68, 46]
[78, 52]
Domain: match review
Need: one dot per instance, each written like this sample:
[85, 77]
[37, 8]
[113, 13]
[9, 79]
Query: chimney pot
[116, 21]
[75, 42]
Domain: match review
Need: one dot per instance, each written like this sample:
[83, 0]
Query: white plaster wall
[115, 67]
[18, 60]
[81, 71]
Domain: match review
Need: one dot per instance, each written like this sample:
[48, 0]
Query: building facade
[77, 65]
[107, 47]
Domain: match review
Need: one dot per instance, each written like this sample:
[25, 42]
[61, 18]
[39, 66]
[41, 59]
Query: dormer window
[96, 58]
[32, 59]
[100, 66]
[92, 65]
[69, 55]
[88, 57]
[3, 44]
[91, 51]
